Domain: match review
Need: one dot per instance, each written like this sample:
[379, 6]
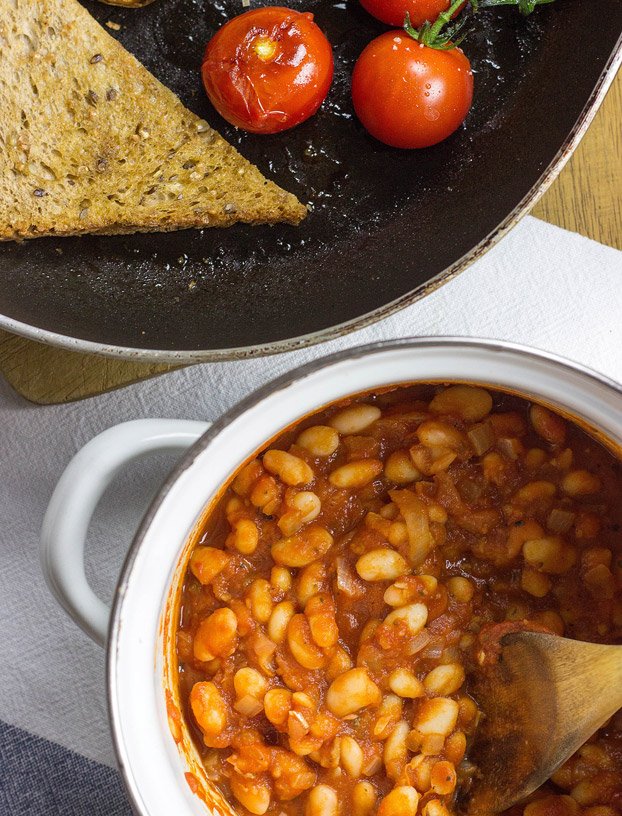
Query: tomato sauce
[351, 567]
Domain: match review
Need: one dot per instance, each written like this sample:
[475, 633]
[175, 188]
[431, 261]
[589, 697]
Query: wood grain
[48, 375]
[586, 198]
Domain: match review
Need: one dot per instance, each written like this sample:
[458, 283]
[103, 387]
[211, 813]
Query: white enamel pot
[160, 765]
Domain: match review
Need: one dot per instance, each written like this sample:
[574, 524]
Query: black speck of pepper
[92, 98]
[271, 737]
[111, 94]
[39, 192]
[95, 59]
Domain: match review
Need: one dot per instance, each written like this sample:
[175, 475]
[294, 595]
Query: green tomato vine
[443, 36]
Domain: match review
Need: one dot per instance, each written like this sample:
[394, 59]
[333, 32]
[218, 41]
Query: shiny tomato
[393, 12]
[268, 69]
[407, 94]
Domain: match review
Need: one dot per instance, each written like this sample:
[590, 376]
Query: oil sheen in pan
[383, 222]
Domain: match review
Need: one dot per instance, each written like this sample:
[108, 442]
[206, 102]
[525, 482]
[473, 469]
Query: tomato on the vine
[393, 12]
[408, 94]
[268, 69]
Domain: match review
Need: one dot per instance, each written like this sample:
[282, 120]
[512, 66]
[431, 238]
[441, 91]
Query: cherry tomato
[409, 95]
[393, 12]
[268, 69]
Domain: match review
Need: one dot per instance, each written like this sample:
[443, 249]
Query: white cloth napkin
[541, 286]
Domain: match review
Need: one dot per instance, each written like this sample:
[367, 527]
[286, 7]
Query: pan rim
[188, 356]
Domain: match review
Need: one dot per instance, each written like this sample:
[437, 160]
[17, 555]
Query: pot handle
[77, 494]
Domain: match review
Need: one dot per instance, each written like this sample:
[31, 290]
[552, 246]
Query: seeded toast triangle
[91, 142]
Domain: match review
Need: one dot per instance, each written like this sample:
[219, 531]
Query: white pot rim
[584, 376]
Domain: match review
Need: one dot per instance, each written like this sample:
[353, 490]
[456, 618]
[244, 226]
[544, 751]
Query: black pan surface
[385, 223]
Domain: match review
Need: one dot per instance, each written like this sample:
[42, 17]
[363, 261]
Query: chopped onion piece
[372, 766]
[415, 514]
[263, 646]
[347, 581]
[510, 447]
[419, 642]
[481, 437]
[434, 652]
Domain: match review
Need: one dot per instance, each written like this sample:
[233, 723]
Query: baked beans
[333, 601]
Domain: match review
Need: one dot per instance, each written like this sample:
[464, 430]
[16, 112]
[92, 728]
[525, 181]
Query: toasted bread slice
[91, 142]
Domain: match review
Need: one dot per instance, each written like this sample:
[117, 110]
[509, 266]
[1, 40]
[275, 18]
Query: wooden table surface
[586, 198]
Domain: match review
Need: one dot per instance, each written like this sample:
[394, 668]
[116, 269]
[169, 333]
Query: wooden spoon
[543, 698]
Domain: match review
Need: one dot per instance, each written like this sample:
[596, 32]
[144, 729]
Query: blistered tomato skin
[268, 70]
[393, 12]
[408, 95]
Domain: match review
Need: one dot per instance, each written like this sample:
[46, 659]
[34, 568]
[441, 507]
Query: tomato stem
[444, 17]
[524, 6]
[433, 34]
[436, 35]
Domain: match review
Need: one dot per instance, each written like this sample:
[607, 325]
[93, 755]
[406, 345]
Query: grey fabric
[41, 778]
